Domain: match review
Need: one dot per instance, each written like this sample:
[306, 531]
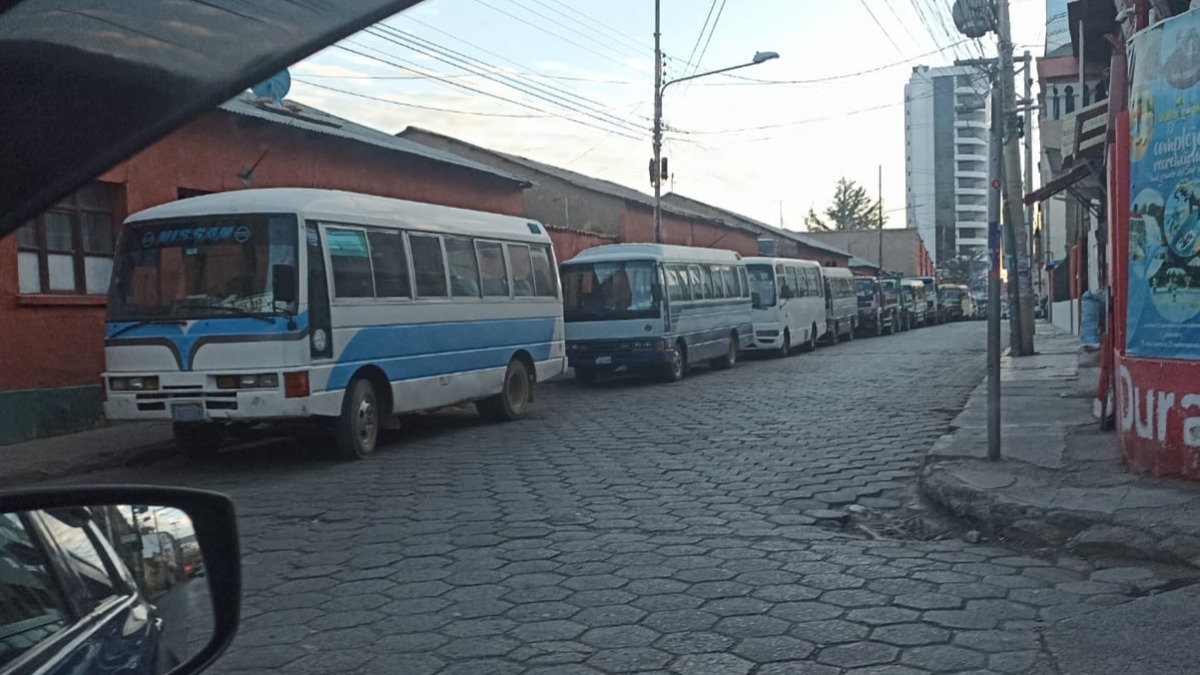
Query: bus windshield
[610, 290]
[199, 268]
[865, 288]
[953, 295]
[762, 285]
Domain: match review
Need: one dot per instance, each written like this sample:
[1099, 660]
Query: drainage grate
[913, 528]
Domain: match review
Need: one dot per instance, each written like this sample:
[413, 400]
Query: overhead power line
[398, 63]
[547, 93]
[887, 34]
[557, 35]
[816, 80]
[711, 30]
[416, 105]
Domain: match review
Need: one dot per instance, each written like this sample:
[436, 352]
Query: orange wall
[55, 341]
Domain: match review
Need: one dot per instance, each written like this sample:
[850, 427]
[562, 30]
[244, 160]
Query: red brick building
[54, 272]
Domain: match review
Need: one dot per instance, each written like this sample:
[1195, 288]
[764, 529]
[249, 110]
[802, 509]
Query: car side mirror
[171, 554]
[283, 283]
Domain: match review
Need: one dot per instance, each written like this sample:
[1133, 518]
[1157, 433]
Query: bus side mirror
[755, 299]
[283, 283]
[656, 293]
[786, 293]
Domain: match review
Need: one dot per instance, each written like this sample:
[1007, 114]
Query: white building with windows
[946, 159]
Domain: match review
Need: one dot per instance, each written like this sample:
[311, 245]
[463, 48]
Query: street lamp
[657, 170]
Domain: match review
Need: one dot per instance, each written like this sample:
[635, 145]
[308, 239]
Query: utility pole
[656, 163]
[881, 220]
[1021, 315]
[1028, 109]
[995, 133]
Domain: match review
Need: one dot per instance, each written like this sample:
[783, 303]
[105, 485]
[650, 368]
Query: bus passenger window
[744, 279]
[464, 271]
[522, 269]
[795, 282]
[685, 281]
[428, 264]
[698, 286]
[707, 283]
[543, 272]
[674, 289]
[731, 283]
[492, 270]
[350, 261]
[390, 263]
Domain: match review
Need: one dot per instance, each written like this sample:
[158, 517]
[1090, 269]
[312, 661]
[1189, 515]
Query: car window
[81, 554]
[30, 608]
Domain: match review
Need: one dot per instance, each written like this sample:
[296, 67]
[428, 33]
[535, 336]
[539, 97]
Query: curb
[125, 457]
[1083, 533]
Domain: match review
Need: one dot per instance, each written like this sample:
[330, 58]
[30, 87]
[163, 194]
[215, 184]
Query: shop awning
[1057, 185]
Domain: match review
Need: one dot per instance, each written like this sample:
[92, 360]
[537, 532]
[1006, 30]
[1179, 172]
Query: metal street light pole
[657, 172]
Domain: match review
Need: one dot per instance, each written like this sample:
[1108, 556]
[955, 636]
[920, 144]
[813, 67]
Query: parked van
[912, 298]
[934, 309]
[841, 304]
[876, 315]
[789, 304]
[655, 308]
[959, 304]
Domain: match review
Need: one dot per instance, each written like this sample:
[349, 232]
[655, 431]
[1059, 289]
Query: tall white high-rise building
[946, 159]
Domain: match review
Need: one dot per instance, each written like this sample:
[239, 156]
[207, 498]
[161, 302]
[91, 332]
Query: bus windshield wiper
[248, 314]
[147, 322]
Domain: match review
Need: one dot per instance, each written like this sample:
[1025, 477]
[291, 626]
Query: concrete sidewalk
[1061, 483]
[84, 452]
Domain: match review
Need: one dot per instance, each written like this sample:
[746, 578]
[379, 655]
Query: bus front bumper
[607, 355]
[766, 336]
[201, 400]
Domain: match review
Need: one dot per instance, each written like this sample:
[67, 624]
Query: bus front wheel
[676, 368]
[785, 347]
[514, 398]
[358, 427]
[198, 440]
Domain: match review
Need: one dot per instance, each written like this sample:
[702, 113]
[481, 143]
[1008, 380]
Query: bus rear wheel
[198, 440]
[730, 358]
[514, 398]
[357, 429]
[835, 333]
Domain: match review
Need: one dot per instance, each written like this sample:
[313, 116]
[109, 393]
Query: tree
[966, 268]
[852, 209]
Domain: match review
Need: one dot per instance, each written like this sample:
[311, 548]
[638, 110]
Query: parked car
[874, 317]
[67, 581]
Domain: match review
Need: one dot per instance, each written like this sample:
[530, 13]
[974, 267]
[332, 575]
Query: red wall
[60, 340]
[637, 225]
[568, 244]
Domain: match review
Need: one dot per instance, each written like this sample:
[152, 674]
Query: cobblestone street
[634, 527]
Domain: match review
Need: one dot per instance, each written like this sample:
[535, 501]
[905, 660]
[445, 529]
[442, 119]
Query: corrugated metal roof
[584, 181]
[759, 225]
[318, 121]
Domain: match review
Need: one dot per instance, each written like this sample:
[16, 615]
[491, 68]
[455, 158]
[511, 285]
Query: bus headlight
[133, 383]
[263, 381]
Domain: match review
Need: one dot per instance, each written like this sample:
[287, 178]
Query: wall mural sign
[1164, 219]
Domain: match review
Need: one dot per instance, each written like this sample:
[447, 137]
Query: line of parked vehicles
[297, 310]
[661, 309]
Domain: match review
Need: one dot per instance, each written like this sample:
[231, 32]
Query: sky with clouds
[570, 82]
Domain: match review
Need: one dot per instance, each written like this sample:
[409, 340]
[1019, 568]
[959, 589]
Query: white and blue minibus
[654, 308]
[279, 305]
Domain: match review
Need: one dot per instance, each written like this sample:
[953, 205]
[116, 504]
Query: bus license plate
[187, 412]
[603, 360]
